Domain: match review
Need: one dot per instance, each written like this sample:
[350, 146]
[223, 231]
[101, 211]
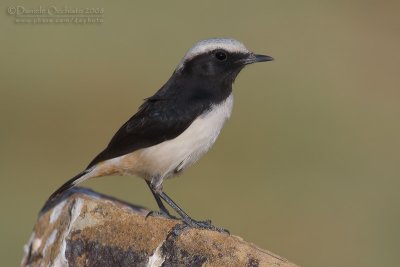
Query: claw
[160, 214]
[207, 225]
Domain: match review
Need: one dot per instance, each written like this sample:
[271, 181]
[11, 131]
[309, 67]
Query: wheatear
[178, 124]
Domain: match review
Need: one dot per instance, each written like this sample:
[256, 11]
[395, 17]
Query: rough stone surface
[89, 229]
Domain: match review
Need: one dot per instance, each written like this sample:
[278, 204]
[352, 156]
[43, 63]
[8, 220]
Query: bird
[176, 126]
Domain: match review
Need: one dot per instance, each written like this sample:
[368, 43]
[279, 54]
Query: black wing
[156, 121]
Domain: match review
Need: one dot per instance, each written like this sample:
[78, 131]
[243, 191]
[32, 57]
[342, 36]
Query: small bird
[177, 125]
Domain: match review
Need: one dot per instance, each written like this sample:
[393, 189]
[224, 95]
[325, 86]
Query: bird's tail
[53, 199]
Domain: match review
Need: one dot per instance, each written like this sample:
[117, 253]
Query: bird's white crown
[204, 46]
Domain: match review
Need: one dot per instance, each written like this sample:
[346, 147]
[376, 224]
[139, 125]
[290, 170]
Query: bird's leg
[186, 218]
[163, 209]
[157, 189]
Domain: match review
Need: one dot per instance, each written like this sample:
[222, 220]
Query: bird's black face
[220, 65]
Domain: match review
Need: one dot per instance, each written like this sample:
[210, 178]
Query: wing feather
[156, 121]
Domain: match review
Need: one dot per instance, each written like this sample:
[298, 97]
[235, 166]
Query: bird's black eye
[220, 55]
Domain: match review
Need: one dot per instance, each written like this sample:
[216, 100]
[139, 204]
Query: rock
[89, 229]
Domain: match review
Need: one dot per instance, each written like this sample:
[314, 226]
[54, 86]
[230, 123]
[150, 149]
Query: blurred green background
[307, 167]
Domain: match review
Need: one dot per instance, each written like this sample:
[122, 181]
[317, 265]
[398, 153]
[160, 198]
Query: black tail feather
[55, 198]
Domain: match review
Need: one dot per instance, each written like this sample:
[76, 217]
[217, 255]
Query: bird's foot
[160, 213]
[207, 225]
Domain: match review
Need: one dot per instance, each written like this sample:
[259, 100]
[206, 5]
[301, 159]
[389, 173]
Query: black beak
[253, 58]
[262, 58]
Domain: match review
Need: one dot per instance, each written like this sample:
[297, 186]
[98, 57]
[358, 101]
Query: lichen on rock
[90, 229]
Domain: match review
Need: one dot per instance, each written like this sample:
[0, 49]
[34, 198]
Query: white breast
[177, 154]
